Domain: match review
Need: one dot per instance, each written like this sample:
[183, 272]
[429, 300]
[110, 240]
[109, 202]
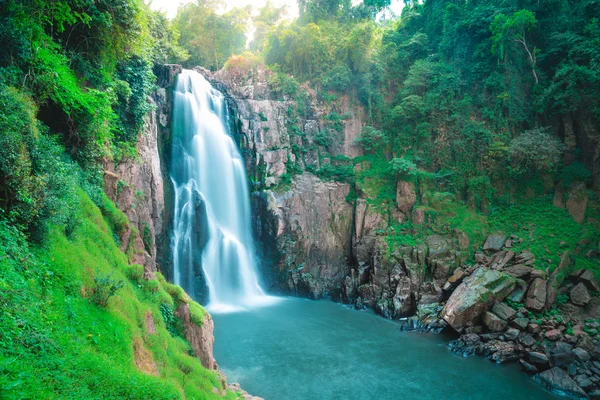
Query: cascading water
[211, 243]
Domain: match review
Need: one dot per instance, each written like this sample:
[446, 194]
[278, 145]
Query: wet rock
[494, 242]
[498, 351]
[235, 387]
[474, 295]
[536, 295]
[561, 354]
[503, 311]
[581, 354]
[584, 382]
[580, 295]
[493, 322]
[558, 381]
[538, 359]
[528, 368]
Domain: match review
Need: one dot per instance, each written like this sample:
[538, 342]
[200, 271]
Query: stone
[520, 323]
[511, 334]
[553, 334]
[474, 296]
[556, 278]
[536, 295]
[528, 368]
[584, 382]
[577, 201]
[525, 257]
[493, 322]
[538, 359]
[579, 295]
[405, 196]
[500, 352]
[457, 276]
[200, 338]
[494, 242]
[503, 311]
[527, 341]
[538, 273]
[561, 354]
[581, 354]
[519, 271]
[590, 282]
[519, 291]
[585, 342]
[558, 381]
[533, 328]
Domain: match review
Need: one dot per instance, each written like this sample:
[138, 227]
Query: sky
[170, 6]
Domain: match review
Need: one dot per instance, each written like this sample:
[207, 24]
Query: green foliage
[209, 35]
[283, 85]
[172, 323]
[104, 288]
[534, 151]
[372, 139]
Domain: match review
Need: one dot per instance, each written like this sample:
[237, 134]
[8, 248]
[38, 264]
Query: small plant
[171, 321]
[562, 299]
[262, 116]
[104, 288]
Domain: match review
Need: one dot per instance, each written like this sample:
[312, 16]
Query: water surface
[303, 349]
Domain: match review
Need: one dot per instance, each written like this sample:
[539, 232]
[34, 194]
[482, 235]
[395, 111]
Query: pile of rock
[558, 346]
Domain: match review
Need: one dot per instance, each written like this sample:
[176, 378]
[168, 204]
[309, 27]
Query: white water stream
[211, 244]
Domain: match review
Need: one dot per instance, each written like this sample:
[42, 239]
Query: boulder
[558, 381]
[503, 311]
[581, 354]
[511, 334]
[536, 295]
[474, 296]
[520, 323]
[493, 322]
[405, 196]
[561, 354]
[580, 295]
[519, 271]
[590, 282]
[538, 359]
[527, 341]
[494, 242]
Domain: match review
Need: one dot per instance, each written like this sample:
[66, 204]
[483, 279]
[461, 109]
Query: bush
[372, 139]
[283, 85]
[534, 151]
[104, 288]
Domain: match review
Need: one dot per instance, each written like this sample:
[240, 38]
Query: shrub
[534, 151]
[337, 78]
[104, 288]
[372, 139]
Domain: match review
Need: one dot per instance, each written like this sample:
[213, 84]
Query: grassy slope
[56, 343]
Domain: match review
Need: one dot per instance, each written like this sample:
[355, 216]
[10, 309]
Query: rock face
[474, 296]
[200, 337]
[136, 186]
[536, 295]
[310, 230]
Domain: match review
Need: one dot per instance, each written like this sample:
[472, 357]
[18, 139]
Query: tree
[514, 28]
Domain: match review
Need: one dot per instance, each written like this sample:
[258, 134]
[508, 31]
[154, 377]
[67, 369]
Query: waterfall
[212, 245]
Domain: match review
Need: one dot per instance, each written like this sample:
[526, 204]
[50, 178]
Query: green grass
[55, 343]
[548, 231]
